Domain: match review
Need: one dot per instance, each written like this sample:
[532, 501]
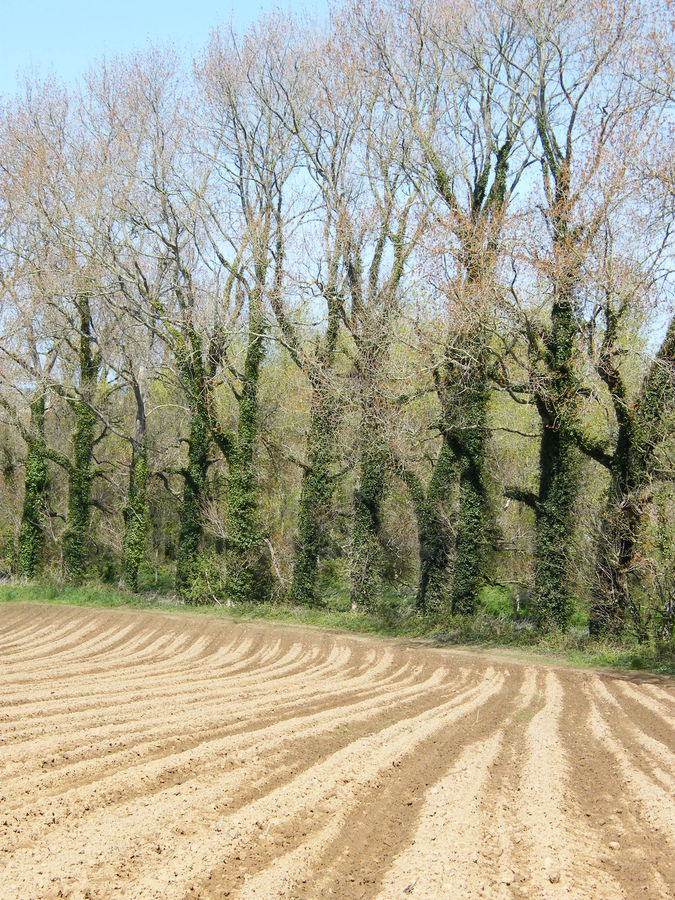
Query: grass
[495, 625]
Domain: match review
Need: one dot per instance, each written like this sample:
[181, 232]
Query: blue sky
[64, 37]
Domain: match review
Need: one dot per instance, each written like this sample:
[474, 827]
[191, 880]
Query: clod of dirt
[552, 870]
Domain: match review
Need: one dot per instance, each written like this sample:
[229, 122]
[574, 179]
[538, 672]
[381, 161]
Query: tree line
[388, 297]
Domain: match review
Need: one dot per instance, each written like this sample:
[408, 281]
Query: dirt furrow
[657, 804]
[325, 835]
[207, 715]
[213, 743]
[200, 800]
[662, 694]
[177, 748]
[452, 835]
[167, 755]
[289, 665]
[651, 716]
[328, 784]
[555, 852]
[652, 756]
[628, 847]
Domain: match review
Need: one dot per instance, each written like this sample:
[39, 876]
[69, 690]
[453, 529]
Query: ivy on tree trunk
[474, 519]
[318, 488]
[137, 511]
[433, 532]
[31, 532]
[558, 466]
[80, 474]
[366, 567]
[248, 575]
[318, 483]
[136, 515]
[630, 468]
[194, 494]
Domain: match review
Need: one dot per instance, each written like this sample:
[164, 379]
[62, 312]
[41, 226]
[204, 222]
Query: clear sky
[63, 37]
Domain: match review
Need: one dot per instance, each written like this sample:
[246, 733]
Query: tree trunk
[473, 521]
[366, 562]
[136, 511]
[194, 493]
[136, 515]
[462, 382]
[631, 464]
[558, 471]
[558, 482]
[433, 534]
[80, 476]
[248, 573]
[367, 556]
[196, 384]
[318, 487]
[366, 567]
[31, 532]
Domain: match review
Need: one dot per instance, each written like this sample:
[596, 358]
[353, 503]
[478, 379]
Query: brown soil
[157, 756]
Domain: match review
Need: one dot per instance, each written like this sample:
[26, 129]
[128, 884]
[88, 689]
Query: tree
[322, 117]
[460, 78]
[584, 98]
[249, 147]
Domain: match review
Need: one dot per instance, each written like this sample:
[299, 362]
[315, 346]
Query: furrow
[657, 804]
[328, 785]
[205, 730]
[659, 708]
[201, 801]
[654, 758]
[442, 858]
[555, 852]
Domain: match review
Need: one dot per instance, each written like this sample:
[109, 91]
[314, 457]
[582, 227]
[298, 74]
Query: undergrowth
[495, 625]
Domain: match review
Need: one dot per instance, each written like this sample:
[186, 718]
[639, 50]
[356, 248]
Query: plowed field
[154, 755]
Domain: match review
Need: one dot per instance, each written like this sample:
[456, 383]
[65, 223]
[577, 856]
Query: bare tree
[460, 79]
[584, 101]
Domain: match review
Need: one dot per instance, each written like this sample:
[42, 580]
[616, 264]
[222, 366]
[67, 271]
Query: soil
[153, 755]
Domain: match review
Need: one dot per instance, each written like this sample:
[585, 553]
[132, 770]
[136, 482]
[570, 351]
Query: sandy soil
[153, 755]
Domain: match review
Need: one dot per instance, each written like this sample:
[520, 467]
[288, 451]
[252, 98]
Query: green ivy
[80, 476]
[638, 437]
[318, 488]
[194, 492]
[558, 458]
[366, 568]
[558, 487]
[31, 531]
[75, 538]
[136, 515]
[473, 523]
[435, 547]
[248, 573]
